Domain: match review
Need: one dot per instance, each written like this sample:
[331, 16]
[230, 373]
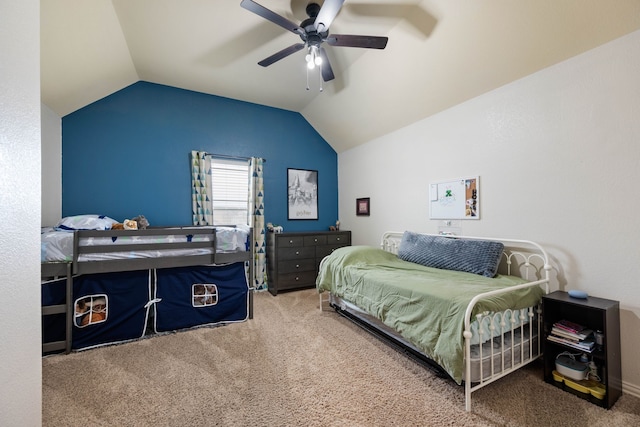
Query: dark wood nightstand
[596, 314]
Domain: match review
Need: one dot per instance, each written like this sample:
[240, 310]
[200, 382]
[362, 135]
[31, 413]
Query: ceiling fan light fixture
[313, 58]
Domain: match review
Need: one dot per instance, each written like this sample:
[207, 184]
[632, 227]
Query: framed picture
[362, 206]
[302, 197]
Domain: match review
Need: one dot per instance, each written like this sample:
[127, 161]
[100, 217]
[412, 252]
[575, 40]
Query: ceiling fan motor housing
[311, 34]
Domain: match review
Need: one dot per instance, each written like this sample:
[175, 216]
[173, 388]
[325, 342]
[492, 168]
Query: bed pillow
[472, 256]
[86, 222]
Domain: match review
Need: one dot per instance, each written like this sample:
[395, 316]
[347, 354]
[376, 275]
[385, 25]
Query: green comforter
[425, 305]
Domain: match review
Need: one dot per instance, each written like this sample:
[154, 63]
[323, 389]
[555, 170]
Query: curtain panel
[201, 196]
[256, 209]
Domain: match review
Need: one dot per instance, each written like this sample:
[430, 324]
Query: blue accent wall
[128, 154]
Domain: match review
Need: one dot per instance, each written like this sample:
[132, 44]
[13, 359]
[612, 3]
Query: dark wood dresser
[293, 258]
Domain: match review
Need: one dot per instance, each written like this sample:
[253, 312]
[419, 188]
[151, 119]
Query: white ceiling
[440, 53]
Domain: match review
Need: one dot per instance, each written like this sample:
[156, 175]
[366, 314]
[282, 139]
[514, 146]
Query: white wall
[20, 351]
[558, 155]
[51, 167]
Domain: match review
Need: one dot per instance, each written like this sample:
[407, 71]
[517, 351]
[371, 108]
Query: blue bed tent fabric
[54, 325]
[181, 303]
[125, 295]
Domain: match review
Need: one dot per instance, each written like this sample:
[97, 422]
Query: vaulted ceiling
[440, 53]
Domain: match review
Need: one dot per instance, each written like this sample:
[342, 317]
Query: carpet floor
[292, 365]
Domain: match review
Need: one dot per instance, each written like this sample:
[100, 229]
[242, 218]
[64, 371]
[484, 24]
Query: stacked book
[573, 335]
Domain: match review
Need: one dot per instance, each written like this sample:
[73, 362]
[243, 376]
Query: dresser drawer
[293, 266]
[290, 241]
[342, 239]
[315, 240]
[296, 280]
[323, 251]
[285, 254]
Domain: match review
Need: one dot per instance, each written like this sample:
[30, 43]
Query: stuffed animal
[142, 222]
[274, 228]
[92, 318]
[127, 224]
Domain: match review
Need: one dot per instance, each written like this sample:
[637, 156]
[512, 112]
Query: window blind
[230, 189]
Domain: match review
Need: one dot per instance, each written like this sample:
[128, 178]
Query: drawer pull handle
[338, 239]
[297, 253]
[297, 265]
[297, 278]
[291, 242]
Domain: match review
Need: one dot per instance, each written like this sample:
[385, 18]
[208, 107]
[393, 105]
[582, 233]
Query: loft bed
[468, 306]
[175, 277]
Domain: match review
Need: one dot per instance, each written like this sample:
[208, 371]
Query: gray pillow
[472, 256]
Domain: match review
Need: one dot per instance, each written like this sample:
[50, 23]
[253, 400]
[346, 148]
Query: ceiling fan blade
[327, 13]
[327, 72]
[282, 54]
[267, 14]
[346, 40]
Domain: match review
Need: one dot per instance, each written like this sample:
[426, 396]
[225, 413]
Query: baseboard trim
[632, 389]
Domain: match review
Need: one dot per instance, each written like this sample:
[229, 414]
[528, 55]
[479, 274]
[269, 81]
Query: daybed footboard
[495, 342]
[513, 342]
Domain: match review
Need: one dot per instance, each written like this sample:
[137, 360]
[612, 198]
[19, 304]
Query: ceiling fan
[314, 31]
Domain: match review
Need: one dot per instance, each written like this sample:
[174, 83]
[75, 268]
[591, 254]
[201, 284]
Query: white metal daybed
[490, 331]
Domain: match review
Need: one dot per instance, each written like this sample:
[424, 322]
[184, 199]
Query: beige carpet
[292, 366]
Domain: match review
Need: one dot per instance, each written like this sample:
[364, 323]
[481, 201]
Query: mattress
[57, 245]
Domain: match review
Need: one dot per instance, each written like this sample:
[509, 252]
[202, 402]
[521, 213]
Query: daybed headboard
[522, 258]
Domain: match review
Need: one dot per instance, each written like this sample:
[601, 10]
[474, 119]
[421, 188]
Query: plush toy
[274, 228]
[142, 222]
[127, 224]
[92, 318]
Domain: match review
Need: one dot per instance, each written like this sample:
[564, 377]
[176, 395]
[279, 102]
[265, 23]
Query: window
[230, 190]
[90, 310]
[203, 295]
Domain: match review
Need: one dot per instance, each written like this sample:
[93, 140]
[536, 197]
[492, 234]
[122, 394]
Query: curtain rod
[224, 156]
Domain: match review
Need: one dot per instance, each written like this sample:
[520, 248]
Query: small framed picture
[362, 206]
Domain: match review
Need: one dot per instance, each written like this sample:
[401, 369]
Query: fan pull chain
[320, 88]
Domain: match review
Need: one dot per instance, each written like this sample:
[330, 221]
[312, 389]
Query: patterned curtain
[256, 220]
[201, 188]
